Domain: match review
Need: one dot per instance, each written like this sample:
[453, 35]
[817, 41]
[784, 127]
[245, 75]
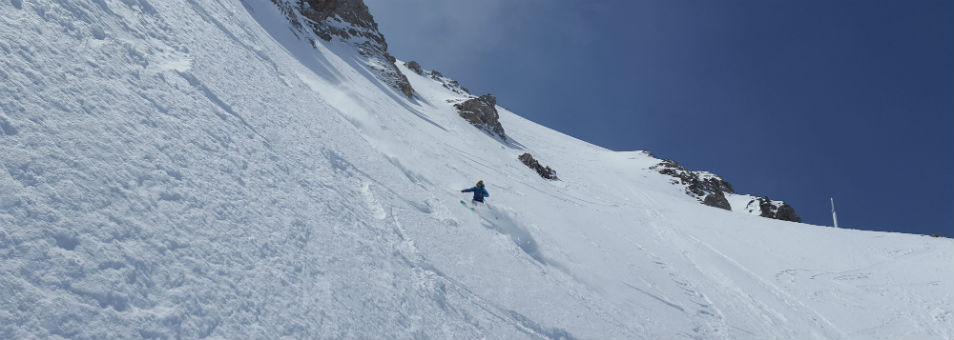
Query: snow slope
[194, 169]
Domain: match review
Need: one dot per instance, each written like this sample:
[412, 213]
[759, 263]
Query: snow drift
[193, 169]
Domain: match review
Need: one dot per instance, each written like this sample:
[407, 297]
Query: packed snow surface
[193, 169]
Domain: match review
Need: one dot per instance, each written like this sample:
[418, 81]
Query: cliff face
[350, 21]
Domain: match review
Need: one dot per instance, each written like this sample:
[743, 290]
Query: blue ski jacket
[479, 193]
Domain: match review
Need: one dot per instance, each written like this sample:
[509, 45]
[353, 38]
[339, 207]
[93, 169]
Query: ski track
[708, 320]
[788, 299]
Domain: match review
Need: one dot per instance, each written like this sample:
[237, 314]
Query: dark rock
[354, 12]
[448, 83]
[320, 12]
[715, 184]
[404, 85]
[698, 184]
[489, 99]
[482, 113]
[414, 66]
[710, 189]
[785, 212]
[777, 210]
[543, 171]
[717, 199]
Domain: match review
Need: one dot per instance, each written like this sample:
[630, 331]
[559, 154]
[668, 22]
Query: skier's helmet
[480, 183]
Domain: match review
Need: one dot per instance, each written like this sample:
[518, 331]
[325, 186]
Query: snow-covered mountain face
[207, 169]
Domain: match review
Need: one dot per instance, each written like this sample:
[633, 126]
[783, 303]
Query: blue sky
[796, 100]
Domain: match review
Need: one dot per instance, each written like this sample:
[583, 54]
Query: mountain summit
[255, 169]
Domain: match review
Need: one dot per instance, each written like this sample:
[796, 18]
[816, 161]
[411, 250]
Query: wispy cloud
[454, 24]
[464, 32]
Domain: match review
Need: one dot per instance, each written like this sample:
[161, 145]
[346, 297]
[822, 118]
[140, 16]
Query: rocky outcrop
[777, 210]
[482, 113]
[351, 21]
[707, 187]
[711, 190]
[717, 199]
[448, 83]
[543, 171]
[414, 66]
[354, 12]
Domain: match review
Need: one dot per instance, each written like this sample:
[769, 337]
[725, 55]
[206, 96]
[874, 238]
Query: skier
[479, 192]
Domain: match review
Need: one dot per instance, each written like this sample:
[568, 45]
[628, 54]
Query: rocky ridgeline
[710, 189]
[351, 21]
[543, 171]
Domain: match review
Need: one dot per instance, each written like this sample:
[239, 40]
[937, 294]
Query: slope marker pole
[834, 216]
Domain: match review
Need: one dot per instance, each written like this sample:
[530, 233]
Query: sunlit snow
[193, 169]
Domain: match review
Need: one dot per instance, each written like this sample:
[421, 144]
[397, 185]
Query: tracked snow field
[194, 169]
